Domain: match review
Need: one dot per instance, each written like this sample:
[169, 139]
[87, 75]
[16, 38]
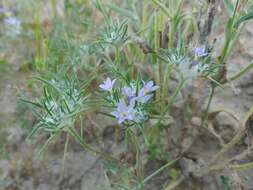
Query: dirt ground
[21, 169]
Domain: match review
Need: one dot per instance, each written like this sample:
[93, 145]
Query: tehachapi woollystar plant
[130, 97]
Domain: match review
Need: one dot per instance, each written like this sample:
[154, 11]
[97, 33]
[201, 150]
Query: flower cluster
[107, 85]
[62, 100]
[13, 25]
[132, 101]
[200, 51]
[12, 21]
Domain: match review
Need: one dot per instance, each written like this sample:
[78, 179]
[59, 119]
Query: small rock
[196, 121]
[225, 119]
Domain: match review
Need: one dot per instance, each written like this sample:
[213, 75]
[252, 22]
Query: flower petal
[154, 88]
[121, 120]
[115, 113]
[121, 106]
[114, 80]
[145, 98]
[149, 84]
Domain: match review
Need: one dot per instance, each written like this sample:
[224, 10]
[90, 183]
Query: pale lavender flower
[124, 112]
[129, 93]
[200, 51]
[144, 94]
[139, 115]
[2, 10]
[12, 21]
[145, 98]
[13, 25]
[107, 85]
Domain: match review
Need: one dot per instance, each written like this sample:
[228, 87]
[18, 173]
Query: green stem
[235, 139]
[155, 173]
[65, 152]
[242, 72]
[236, 7]
[165, 86]
[171, 33]
[229, 38]
[117, 56]
[208, 106]
[224, 51]
[137, 147]
[160, 76]
[145, 14]
[246, 166]
[157, 62]
[174, 96]
[53, 4]
[74, 133]
[176, 183]
[47, 143]
[162, 7]
[81, 126]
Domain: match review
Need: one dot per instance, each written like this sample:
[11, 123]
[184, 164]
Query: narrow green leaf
[244, 18]
[162, 7]
[240, 167]
[47, 143]
[242, 72]
[32, 103]
[34, 130]
[122, 11]
[228, 29]
[156, 173]
[229, 6]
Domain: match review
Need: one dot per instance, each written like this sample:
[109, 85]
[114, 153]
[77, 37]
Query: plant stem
[246, 166]
[229, 38]
[74, 133]
[236, 138]
[165, 85]
[81, 126]
[117, 56]
[236, 7]
[208, 106]
[162, 7]
[242, 72]
[171, 33]
[65, 152]
[155, 173]
[144, 14]
[176, 183]
[53, 4]
[172, 99]
[224, 51]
